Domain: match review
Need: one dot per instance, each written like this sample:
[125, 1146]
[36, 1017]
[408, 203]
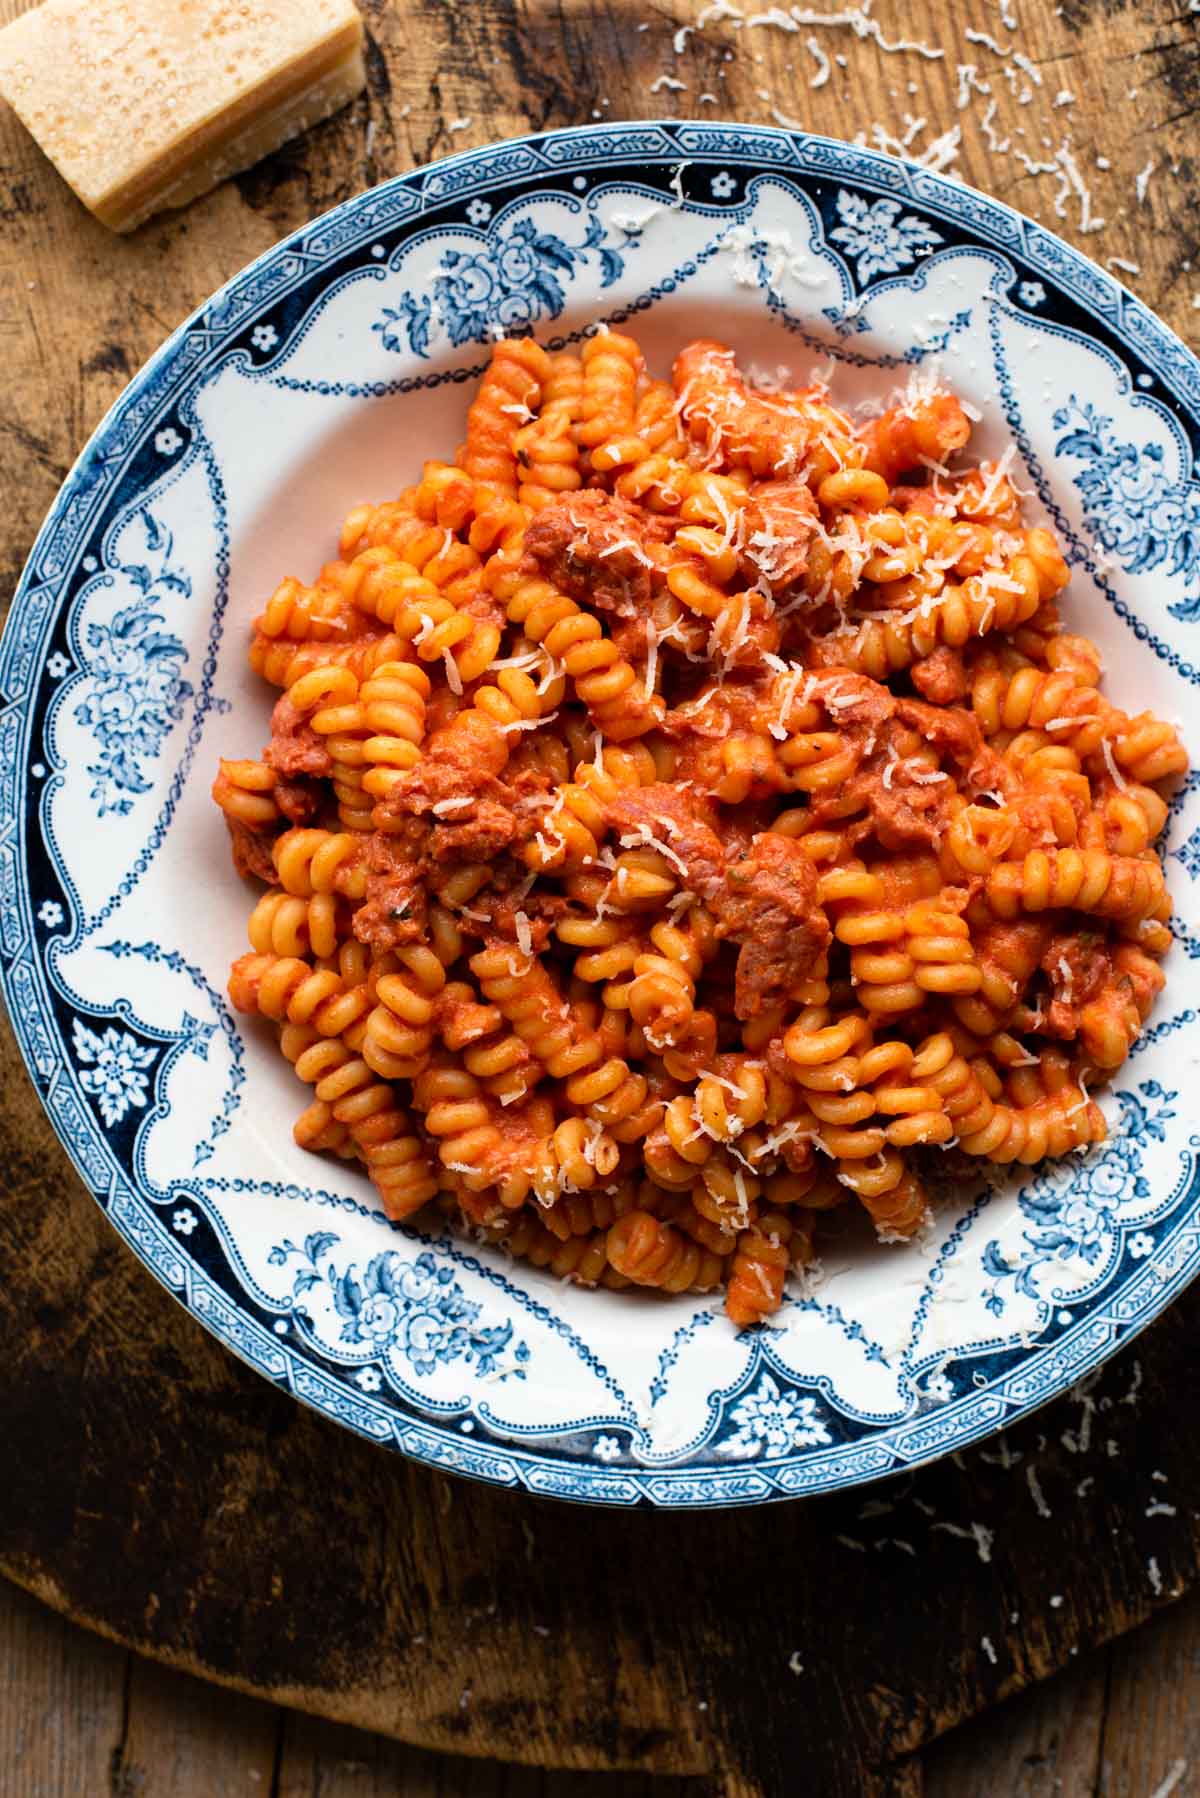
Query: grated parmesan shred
[1118, 779]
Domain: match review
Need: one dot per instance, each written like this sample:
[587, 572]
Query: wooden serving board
[157, 1490]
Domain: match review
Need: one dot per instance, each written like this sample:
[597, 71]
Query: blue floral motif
[1072, 1208]
[1188, 853]
[879, 240]
[1134, 510]
[414, 1308]
[111, 1069]
[514, 279]
[772, 1423]
[198, 1034]
[136, 691]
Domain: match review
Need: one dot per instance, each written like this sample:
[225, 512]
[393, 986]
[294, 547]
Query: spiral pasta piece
[602, 677]
[510, 392]
[546, 449]
[651, 1253]
[285, 986]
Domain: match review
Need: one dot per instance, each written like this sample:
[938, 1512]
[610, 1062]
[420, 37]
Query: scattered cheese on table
[145, 104]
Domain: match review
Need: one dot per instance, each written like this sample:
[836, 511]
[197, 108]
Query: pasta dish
[685, 813]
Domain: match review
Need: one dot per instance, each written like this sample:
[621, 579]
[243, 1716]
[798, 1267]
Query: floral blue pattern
[112, 1067]
[1188, 853]
[196, 1033]
[515, 279]
[1073, 1208]
[772, 1423]
[1134, 510]
[136, 692]
[880, 241]
[414, 1308]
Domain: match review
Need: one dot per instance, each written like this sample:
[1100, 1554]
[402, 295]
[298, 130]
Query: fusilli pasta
[685, 814]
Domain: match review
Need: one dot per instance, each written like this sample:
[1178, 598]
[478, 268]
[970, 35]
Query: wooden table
[807, 1648]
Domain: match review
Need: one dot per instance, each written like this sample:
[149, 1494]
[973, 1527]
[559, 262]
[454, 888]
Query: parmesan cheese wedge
[144, 104]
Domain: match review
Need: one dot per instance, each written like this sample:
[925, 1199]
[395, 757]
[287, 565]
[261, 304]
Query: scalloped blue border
[1041, 1374]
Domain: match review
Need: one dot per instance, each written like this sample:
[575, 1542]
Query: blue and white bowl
[321, 377]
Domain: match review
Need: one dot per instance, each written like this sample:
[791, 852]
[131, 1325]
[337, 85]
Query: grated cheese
[1118, 779]
[942, 151]
[1036, 1493]
[453, 677]
[650, 678]
[858, 20]
[968, 82]
[643, 838]
[1026, 67]
[999, 473]
[978, 1533]
[822, 61]
[985, 1642]
[998, 144]
[1073, 183]
[524, 933]
[719, 9]
[989, 43]
[1178, 1768]
[667, 81]
[774, 15]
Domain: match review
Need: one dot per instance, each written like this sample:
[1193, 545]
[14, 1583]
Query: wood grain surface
[160, 1492]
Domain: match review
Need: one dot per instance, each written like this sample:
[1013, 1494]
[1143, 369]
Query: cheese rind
[142, 104]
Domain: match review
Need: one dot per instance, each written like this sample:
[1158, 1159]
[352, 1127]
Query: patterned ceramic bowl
[320, 377]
